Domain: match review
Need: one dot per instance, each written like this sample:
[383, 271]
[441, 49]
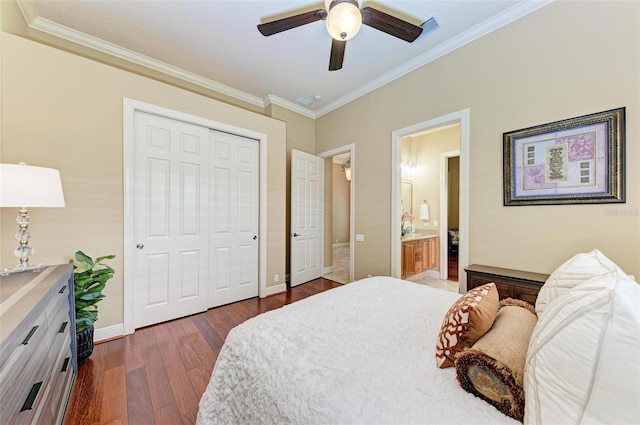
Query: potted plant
[90, 278]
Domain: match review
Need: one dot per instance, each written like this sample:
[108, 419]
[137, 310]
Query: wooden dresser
[510, 283]
[419, 253]
[37, 346]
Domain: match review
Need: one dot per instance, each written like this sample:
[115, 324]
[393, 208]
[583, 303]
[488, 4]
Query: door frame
[129, 107]
[461, 117]
[351, 150]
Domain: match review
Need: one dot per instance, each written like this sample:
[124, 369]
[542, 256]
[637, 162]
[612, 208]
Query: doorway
[338, 224]
[460, 118]
[339, 188]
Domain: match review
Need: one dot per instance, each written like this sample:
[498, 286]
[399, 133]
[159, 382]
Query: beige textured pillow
[572, 272]
[493, 368]
[468, 319]
[582, 364]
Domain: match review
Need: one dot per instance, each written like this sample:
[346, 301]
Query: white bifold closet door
[234, 218]
[187, 212]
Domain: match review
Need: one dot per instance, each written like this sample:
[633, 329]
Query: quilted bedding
[358, 354]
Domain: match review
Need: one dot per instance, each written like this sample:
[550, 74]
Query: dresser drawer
[20, 348]
[25, 399]
[61, 379]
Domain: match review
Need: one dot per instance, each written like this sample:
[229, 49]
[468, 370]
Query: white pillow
[571, 273]
[583, 361]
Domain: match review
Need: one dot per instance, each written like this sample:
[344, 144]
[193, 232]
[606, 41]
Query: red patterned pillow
[468, 319]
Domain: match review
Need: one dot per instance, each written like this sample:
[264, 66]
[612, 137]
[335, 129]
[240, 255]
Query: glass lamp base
[22, 268]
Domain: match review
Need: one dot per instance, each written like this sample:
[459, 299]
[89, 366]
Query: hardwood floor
[452, 267]
[158, 374]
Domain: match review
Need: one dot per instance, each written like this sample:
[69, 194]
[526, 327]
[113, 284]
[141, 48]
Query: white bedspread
[358, 354]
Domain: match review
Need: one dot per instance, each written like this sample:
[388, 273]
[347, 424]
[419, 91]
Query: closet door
[234, 218]
[171, 219]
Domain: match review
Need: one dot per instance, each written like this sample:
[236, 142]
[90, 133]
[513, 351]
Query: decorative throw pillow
[582, 364]
[493, 368]
[470, 317]
[572, 272]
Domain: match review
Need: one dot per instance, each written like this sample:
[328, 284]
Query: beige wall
[340, 206]
[300, 136]
[556, 63]
[426, 150]
[65, 111]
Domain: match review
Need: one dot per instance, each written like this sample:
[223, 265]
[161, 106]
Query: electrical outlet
[276, 277]
[435, 223]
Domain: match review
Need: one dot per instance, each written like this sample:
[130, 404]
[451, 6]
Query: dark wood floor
[158, 374]
[452, 266]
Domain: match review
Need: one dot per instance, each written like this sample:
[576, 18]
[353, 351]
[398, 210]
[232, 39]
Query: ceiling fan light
[344, 19]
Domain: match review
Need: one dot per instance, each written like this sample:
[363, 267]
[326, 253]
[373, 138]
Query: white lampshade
[25, 186]
[344, 19]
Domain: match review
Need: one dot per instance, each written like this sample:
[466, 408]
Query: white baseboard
[110, 332]
[270, 290]
[327, 270]
[117, 331]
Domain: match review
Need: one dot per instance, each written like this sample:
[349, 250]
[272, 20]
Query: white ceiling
[215, 43]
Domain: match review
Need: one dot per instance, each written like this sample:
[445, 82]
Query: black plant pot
[84, 344]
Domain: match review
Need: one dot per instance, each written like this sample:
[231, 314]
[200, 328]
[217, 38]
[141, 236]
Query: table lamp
[24, 186]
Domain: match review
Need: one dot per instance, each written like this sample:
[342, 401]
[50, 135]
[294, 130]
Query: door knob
[296, 235]
[255, 237]
[140, 246]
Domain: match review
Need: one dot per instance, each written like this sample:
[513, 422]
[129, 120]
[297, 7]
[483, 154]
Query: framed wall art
[573, 161]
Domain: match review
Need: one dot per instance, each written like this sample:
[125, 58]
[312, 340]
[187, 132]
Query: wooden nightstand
[510, 283]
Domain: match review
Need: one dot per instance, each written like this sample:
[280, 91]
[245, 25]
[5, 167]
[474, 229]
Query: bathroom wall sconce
[407, 165]
[346, 169]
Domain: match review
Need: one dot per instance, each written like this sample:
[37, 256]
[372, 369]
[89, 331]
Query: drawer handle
[31, 398]
[65, 365]
[63, 327]
[31, 332]
[62, 289]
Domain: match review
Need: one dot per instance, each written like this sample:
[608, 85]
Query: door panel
[306, 217]
[170, 222]
[234, 222]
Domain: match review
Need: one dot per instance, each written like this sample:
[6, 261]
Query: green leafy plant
[90, 278]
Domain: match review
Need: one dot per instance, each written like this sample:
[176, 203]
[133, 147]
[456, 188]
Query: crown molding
[273, 99]
[472, 34]
[30, 14]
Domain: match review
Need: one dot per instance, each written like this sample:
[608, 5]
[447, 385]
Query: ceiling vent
[429, 26]
[304, 100]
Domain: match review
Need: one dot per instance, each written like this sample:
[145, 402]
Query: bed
[358, 354]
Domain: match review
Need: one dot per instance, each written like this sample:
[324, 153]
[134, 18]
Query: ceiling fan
[344, 18]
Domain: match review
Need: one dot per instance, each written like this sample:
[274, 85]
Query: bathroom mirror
[406, 196]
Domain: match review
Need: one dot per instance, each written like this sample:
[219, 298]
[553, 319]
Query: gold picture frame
[574, 161]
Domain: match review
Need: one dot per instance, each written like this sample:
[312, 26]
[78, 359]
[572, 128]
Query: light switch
[359, 237]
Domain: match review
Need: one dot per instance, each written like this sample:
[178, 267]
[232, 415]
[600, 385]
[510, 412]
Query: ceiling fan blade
[337, 54]
[390, 24]
[274, 27]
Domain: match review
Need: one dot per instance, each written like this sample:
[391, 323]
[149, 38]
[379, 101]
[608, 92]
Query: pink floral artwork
[581, 146]
[534, 177]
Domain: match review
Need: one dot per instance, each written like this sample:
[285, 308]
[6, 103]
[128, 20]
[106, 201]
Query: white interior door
[234, 218]
[306, 217]
[171, 219]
